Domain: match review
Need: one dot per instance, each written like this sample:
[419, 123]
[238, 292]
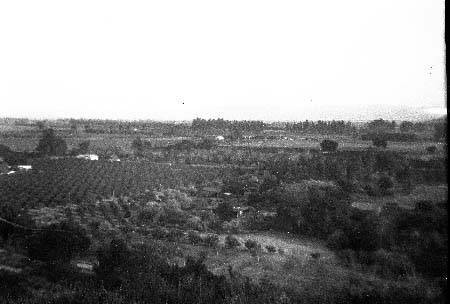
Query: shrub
[328, 145]
[173, 216]
[175, 234]
[379, 142]
[231, 241]
[233, 226]
[211, 240]
[159, 233]
[385, 183]
[431, 149]
[251, 244]
[225, 211]
[147, 214]
[194, 237]
[59, 242]
[271, 248]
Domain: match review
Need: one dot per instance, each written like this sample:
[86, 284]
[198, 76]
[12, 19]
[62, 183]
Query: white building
[25, 167]
[88, 156]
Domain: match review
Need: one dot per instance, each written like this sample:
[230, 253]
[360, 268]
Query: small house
[88, 156]
[24, 167]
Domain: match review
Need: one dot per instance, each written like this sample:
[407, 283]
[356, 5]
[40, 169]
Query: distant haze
[267, 60]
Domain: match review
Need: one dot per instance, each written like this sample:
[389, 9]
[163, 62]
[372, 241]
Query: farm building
[24, 167]
[88, 156]
[220, 138]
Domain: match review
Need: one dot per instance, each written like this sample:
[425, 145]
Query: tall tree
[50, 144]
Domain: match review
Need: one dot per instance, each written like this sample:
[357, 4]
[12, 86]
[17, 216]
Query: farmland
[62, 181]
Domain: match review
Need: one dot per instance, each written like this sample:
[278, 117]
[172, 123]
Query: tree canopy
[50, 144]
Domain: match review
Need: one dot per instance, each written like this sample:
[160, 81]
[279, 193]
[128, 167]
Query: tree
[328, 145]
[406, 126]
[41, 125]
[50, 144]
[431, 149]
[440, 131]
[138, 146]
[225, 211]
[83, 147]
[385, 183]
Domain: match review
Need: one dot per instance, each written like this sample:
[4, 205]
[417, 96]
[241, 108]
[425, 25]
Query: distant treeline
[235, 129]
[222, 124]
[323, 127]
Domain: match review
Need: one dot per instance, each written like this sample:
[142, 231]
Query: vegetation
[349, 226]
[379, 142]
[50, 144]
[328, 145]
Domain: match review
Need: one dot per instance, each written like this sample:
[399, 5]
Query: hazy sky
[234, 59]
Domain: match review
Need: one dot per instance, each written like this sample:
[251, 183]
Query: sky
[177, 60]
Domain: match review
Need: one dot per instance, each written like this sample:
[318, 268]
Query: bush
[251, 244]
[160, 233]
[431, 149]
[328, 145]
[233, 226]
[211, 240]
[194, 222]
[175, 235]
[225, 211]
[194, 237]
[271, 248]
[231, 242]
[379, 142]
[385, 183]
[59, 242]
